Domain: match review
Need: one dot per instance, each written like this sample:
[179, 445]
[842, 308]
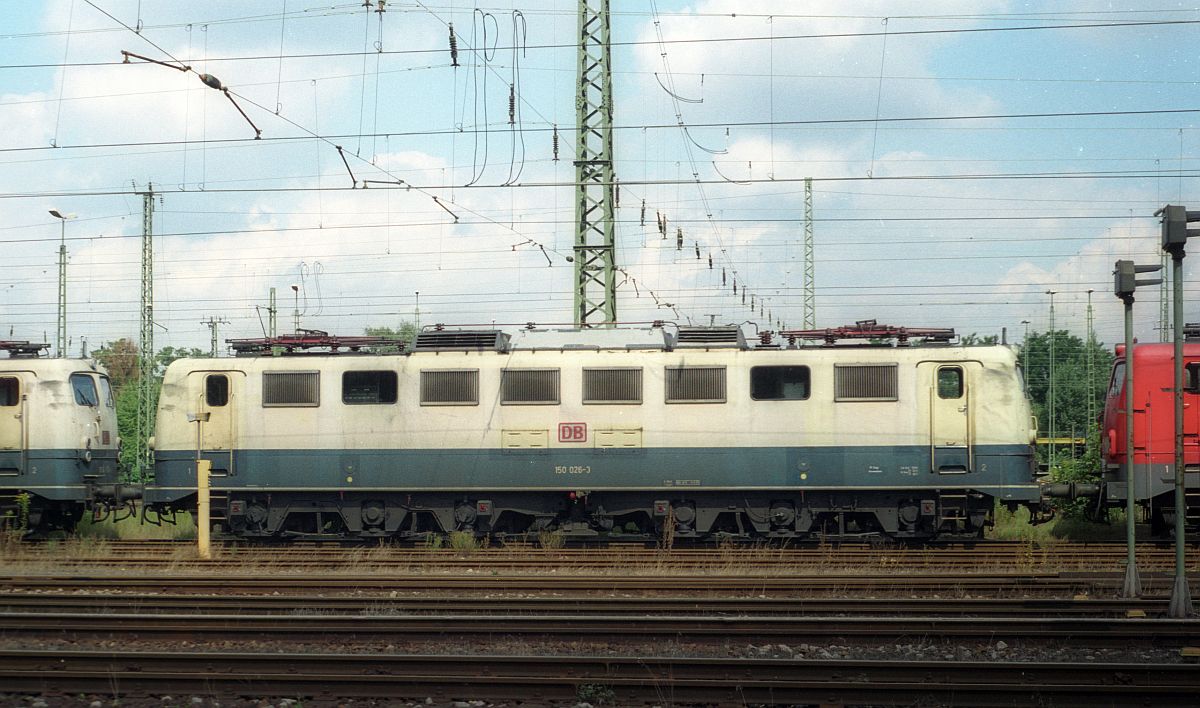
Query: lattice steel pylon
[145, 384]
[810, 285]
[595, 229]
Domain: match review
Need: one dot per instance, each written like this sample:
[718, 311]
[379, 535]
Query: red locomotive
[1154, 432]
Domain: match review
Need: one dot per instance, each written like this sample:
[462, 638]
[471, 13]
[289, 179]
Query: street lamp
[61, 337]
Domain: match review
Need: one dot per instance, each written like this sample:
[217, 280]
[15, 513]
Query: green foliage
[596, 694]
[404, 335]
[1071, 386]
[120, 358]
[974, 340]
[1073, 391]
[463, 541]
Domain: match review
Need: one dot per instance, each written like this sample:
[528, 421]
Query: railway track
[182, 556]
[389, 584]
[463, 629]
[146, 604]
[623, 680]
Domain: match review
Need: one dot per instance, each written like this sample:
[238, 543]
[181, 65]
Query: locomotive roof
[49, 365]
[1159, 351]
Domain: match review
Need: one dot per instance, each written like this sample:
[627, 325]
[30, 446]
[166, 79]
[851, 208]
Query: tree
[404, 335]
[120, 358]
[974, 340]
[1072, 393]
[1072, 389]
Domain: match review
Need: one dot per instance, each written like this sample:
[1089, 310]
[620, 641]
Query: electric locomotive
[606, 432]
[58, 439]
[1154, 431]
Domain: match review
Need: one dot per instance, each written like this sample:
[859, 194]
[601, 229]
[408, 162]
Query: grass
[132, 529]
[1015, 526]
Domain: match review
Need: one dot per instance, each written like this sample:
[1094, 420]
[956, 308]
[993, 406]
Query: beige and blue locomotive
[58, 438]
[612, 432]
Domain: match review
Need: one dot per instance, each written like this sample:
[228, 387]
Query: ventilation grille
[461, 340]
[612, 386]
[450, 388]
[695, 384]
[529, 386]
[291, 388]
[865, 382]
[710, 337]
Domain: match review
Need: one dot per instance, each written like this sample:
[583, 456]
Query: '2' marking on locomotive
[572, 432]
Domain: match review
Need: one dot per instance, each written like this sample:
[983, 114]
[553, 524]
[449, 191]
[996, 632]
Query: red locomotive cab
[1153, 428]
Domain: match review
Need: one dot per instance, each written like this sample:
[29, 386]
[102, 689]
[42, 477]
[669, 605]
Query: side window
[10, 391]
[216, 390]
[84, 388]
[106, 392]
[695, 384]
[950, 382]
[291, 389]
[865, 382]
[529, 386]
[1191, 377]
[779, 383]
[450, 387]
[365, 387]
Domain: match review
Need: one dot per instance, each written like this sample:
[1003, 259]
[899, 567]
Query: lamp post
[1175, 234]
[60, 344]
[1125, 282]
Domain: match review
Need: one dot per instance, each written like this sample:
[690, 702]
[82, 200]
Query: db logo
[572, 432]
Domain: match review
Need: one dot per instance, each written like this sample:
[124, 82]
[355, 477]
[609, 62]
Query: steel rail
[744, 606]
[626, 679]
[384, 582]
[1092, 631]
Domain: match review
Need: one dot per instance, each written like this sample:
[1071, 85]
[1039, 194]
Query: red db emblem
[572, 432]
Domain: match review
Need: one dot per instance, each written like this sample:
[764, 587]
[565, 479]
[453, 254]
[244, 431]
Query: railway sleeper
[595, 515]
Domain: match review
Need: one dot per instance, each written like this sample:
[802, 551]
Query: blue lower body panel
[1004, 472]
[59, 475]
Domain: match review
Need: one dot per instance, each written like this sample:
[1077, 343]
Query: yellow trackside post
[203, 469]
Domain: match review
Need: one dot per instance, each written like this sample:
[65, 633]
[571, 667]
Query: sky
[966, 158]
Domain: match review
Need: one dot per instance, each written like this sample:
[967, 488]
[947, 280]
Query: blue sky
[912, 227]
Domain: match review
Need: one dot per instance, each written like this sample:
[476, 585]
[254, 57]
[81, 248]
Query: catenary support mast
[145, 384]
[810, 286]
[595, 259]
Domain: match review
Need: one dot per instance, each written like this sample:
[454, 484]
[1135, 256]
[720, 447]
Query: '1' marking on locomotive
[572, 432]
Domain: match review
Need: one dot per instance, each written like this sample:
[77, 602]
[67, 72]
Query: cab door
[12, 423]
[951, 416]
[216, 395]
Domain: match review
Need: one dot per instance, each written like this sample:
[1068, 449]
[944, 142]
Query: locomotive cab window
[288, 389]
[84, 388]
[365, 387]
[1191, 377]
[10, 391]
[1118, 380]
[106, 392]
[950, 382]
[779, 383]
[216, 390]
